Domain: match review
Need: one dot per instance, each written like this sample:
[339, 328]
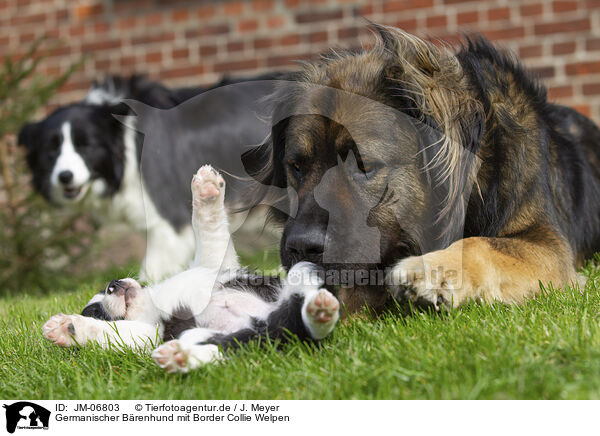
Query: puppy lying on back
[214, 303]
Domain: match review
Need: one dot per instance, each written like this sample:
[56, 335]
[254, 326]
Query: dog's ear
[29, 135]
[264, 162]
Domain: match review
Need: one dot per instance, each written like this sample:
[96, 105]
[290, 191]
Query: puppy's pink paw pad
[323, 307]
[207, 183]
[171, 356]
[60, 330]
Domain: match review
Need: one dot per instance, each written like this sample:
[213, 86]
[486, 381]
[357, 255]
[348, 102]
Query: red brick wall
[185, 43]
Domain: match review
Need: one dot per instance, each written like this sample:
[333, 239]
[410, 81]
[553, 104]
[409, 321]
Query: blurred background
[189, 43]
[192, 43]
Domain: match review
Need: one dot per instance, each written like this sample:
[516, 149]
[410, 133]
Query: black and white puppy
[133, 169]
[208, 308]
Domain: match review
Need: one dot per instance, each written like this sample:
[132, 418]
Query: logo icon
[26, 415]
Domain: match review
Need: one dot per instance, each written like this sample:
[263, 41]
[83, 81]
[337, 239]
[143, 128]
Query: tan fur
[485, 269]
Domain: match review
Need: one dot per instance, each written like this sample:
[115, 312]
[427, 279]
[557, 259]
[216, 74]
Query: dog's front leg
[71, 330]
[485, 269]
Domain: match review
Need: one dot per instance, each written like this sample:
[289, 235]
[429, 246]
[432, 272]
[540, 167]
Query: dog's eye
[55, 143]
[369, 168]
[295, 169]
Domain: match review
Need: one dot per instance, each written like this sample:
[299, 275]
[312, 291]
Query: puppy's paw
[175, 356]
[320, 313]
[207, 186]
[62, 329]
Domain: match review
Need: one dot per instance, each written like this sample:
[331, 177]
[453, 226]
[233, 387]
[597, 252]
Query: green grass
[547, 348]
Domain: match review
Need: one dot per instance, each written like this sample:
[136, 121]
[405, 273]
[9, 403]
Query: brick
[363, 11]
[216, 29]
[544, 72]
[530, 51]
[77, 31]
[25, 38]
[407, 25]
[290, 40]
[248, 25]
[436, 21]
[533, 9]
[190, 71]
[315, 17]
[284, 60]
[320, 36]
[127, 23]
[581, 68]
[348, 32]
[180, 15]
[404, 5]
[467, 17]
[564, 91]
[591, 88]
[155, 19]
[208, 50]
[73, 85]
[562, 48]
[235, 46]
[292, 3]
[154, 57]
[584, 109]
[233, 8]
[109, 44]
[62, 15]
[100, 28]
[205, 12]
[132, 5]
[88, 11]
[453, 2]
[562, 27]
[262, 5]
[247, 64]
[180, 53]
[564, 6]
[592, 44]
[276, 22]
[150, 39]
[261, 43]
[28, 19]
[498, 14]
[505, 33]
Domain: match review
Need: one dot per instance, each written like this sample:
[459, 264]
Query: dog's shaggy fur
[485, 188]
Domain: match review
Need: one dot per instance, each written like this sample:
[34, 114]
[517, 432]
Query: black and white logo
[26, 415]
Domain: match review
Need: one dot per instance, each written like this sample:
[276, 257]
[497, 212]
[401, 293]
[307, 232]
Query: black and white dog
[133, 169]
[214, 303]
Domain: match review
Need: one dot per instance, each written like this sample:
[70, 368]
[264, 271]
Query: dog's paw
[320, 313]
[175, 356]
[426, 281]
[62, 329]
[207, 186]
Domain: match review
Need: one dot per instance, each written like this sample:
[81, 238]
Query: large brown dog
[483, 189]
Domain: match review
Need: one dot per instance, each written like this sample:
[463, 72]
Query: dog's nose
[115, 286]
[306, 245]
[65, 177]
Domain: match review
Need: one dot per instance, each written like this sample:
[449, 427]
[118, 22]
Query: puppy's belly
[229, 311]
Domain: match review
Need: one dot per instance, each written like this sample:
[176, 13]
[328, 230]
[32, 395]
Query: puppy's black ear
[29, 136]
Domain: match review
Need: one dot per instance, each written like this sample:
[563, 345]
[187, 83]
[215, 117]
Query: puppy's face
[122, 299]
[76, 149]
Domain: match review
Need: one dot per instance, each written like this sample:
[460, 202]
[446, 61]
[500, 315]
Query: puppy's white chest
[232, 310]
